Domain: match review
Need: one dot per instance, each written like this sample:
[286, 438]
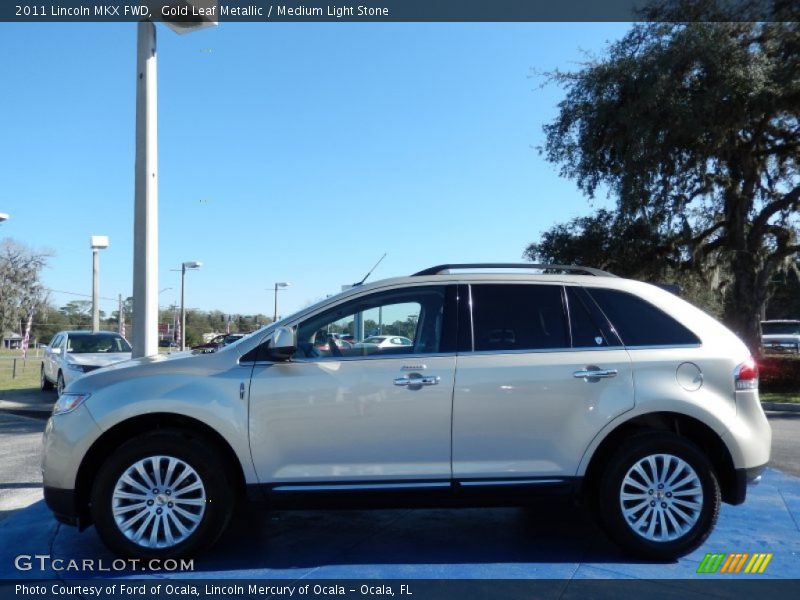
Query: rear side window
[586, 333]
[638, 322]
[518, 317]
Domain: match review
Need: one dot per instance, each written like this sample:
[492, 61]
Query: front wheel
[659, 496]
[161, 495]
[44, 383]
[60, 385]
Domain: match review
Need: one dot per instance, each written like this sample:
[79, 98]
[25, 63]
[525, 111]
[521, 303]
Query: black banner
[162, 589]
[378, 11]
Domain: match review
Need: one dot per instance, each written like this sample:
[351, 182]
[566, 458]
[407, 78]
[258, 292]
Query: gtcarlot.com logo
[737, 562]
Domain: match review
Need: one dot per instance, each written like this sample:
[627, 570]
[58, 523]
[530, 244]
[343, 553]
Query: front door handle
[595, 373]
[414, 381]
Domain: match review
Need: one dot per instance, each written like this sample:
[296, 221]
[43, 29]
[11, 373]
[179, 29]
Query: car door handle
[427, 380]
[595, 373]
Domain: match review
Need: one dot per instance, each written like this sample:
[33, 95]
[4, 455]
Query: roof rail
[445, 269]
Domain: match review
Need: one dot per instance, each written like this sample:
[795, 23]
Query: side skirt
[412, 494]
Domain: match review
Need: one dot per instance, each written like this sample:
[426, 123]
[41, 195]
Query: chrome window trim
[663, 346]
[348, 359]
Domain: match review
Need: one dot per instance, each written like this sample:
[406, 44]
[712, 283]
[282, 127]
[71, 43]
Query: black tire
[60, 383]
[681, 535]
[44, 383]
[210, 470]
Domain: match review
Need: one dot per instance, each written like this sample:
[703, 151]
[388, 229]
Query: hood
[98, 359]
[174, 362]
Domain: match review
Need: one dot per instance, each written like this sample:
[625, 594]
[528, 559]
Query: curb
[781, 407]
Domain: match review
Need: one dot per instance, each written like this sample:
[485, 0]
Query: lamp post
[4, 217]
[187, 265]
[278, 285]
[97, 243]
[145, 213]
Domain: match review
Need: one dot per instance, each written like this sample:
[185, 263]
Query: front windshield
[780, 328]
[88, 343]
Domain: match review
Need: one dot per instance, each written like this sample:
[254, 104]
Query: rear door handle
[412, 381]
[595, 373]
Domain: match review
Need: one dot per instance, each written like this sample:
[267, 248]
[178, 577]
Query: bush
[779, 374]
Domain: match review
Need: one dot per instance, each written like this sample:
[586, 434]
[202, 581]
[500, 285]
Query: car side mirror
[283, 344]
[55, 350]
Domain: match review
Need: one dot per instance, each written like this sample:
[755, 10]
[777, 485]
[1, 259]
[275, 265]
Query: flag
[178, 332]
[228, 326]
[27, 337]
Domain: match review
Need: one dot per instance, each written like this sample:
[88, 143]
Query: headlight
[76, 367]
[68, 402]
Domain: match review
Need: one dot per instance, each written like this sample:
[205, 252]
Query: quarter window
[518, 317]
[638, 322]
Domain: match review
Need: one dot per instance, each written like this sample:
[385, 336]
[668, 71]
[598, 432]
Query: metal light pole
[97, 243]
[145, 213]
[145, 224]
[282, 284]
[187, 265]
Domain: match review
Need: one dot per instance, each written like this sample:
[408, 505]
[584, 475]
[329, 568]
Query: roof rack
[445, 269]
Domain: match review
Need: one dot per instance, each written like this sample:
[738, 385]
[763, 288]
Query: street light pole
[282, 284]
[187, 265]
[97, 243]
[145, 213]
[145, 226]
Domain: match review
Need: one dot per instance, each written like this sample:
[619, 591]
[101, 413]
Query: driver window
[400, 322]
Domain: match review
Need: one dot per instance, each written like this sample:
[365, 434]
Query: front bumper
[64, 505]
[743, 479]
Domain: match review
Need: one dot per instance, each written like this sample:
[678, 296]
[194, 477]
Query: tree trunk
[744, 303]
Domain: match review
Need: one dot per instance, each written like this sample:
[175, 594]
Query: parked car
[514, 385]
[72, 354]
[780, 336]
[385, 341]
[218, 342]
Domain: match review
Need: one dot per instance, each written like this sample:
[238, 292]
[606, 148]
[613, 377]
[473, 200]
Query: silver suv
[515, 385]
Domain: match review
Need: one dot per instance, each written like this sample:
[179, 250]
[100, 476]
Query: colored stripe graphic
[734, 562]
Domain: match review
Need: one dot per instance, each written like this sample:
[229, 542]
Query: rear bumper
[743, 479]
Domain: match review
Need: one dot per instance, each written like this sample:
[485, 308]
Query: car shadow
[550, 532]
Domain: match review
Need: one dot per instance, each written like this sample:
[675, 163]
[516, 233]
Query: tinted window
[638, 322]
[518, 317]
[586, 333]
[87, 344]
[406, 321]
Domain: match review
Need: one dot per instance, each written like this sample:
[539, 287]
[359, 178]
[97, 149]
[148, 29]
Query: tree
[78, 314]
[695, 129]
[20, 288]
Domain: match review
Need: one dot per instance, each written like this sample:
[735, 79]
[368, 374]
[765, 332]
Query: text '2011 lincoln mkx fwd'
[514, 385]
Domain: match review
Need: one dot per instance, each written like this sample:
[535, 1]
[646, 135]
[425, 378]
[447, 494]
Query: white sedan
[385, 341]
[71, 354]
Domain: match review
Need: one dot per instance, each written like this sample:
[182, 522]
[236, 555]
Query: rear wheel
[44, 383]
[659, 496]
[162, 495]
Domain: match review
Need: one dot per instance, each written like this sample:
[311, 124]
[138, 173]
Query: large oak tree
[694, 129]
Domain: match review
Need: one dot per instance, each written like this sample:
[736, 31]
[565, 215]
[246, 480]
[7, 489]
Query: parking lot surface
[550, 541]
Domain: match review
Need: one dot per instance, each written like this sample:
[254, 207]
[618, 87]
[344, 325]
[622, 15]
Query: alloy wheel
[158, 502]
[661, 497]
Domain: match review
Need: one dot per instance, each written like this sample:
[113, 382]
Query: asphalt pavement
[548, 541]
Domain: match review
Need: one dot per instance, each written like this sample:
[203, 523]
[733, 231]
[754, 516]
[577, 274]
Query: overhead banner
[377, 11]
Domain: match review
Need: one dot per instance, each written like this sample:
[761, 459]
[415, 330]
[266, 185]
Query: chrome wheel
[661, 497]
[60, 385]
[158, 502]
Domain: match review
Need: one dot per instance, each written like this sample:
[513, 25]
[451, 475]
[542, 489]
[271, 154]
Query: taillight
[746, 375]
